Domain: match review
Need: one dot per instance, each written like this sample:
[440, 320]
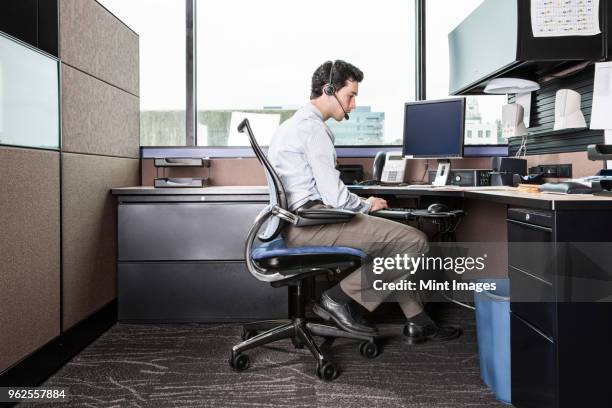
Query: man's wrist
[367, 207]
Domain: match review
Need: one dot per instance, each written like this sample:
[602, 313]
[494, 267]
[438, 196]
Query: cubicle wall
[100, 148]
[57, 216]
[29, 251]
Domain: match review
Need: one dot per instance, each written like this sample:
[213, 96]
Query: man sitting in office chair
[302, 153]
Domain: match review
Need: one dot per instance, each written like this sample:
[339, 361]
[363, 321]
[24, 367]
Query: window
[29, 96]
[482, 112]
[469, 133]
[257, 62]
[161, 27]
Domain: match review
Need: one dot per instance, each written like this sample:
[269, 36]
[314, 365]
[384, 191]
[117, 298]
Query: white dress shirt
[302, 153]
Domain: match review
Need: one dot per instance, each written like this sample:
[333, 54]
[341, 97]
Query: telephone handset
[379, 164]
[389, 167]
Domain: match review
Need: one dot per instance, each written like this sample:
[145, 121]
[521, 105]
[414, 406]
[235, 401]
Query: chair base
[301, 334]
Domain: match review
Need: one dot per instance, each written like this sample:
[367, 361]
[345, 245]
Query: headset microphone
[330, 89]
[346, 116]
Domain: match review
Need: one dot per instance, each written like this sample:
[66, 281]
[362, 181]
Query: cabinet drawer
[530, 216]
[532, 299]
[184, 231]
[530, 248]
[196, 292]
[533, 366]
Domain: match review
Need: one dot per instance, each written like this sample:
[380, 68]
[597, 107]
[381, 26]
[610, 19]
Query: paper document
[602, 97]
[559, 18]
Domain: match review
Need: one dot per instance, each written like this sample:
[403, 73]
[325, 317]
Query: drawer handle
[532, 226]
[531, 326]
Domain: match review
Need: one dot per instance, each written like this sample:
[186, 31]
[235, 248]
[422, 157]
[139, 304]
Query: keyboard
[395, 213]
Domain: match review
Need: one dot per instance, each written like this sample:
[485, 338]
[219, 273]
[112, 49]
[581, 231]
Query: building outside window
[261, 67]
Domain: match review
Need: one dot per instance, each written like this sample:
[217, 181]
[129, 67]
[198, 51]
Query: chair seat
[276, 255]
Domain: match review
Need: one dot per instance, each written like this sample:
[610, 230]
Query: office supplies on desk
[528, 188]
[465, 177]
[182, 162]
[504, 169]
[392, 169]
[437, 208]
[163, 181]
[180, 182]
[566, 187]
[351, 173]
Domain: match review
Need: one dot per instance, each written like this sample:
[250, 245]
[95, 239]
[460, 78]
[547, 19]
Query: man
[302, 153]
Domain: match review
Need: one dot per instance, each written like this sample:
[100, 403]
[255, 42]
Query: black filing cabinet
[181, 259]
[560, 326]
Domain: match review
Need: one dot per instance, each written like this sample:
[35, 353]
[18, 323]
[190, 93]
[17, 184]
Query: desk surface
[500, 194]
[217, 190]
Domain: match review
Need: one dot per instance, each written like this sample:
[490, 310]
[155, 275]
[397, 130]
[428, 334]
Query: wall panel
[29, 252]
[98, 118]
[95, 41]
[89, 224]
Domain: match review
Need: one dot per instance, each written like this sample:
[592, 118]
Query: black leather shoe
[344, 315]
[415, 334]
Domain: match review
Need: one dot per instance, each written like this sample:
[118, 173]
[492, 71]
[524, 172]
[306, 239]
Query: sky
[253, 54]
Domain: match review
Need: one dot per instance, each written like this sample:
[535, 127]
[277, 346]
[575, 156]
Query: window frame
[191, 94]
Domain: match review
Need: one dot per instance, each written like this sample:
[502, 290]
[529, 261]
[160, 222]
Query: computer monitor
[486, 150]
[434, 129]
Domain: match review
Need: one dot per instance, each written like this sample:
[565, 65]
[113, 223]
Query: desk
[558, 348]
[180, 256]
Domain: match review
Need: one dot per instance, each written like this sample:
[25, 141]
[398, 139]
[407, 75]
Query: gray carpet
[187, 366]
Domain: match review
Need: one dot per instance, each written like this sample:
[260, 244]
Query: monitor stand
[442, 173]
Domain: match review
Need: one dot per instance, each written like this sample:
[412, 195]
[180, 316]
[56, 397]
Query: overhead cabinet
[497, 39]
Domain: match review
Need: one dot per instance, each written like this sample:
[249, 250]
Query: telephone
[389, 167]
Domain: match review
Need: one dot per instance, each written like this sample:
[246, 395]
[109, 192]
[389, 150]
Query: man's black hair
[343, 71]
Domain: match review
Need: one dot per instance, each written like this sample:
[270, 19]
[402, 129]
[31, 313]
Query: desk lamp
[515, 117]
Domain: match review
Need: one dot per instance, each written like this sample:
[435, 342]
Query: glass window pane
[483, 113]
[161, 26]
[255, 61]
[29, 96]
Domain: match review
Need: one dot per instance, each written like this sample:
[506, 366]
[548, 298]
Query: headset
[330, 89]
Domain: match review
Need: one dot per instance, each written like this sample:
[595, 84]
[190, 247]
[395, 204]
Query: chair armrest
[319, 216]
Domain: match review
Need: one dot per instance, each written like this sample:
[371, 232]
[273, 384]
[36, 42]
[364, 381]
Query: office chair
[275, 263]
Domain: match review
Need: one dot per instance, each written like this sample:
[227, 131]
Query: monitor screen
[434, 129]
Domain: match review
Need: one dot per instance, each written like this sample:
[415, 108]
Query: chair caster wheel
[239, 362]
[298, 344]
[369, 349]
[247, 334]
[327, 371]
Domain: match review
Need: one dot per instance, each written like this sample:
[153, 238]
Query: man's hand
[376, 203]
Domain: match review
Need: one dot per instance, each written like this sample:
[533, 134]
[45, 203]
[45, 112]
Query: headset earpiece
[329, 88]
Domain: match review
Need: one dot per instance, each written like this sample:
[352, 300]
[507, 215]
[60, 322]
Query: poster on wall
[559, 18]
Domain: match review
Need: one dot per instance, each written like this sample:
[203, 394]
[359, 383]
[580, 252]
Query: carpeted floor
[187, 366]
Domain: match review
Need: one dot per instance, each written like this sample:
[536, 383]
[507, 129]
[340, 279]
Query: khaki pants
[378, 237]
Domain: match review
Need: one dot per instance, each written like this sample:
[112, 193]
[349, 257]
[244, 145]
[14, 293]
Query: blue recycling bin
[493, 331]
